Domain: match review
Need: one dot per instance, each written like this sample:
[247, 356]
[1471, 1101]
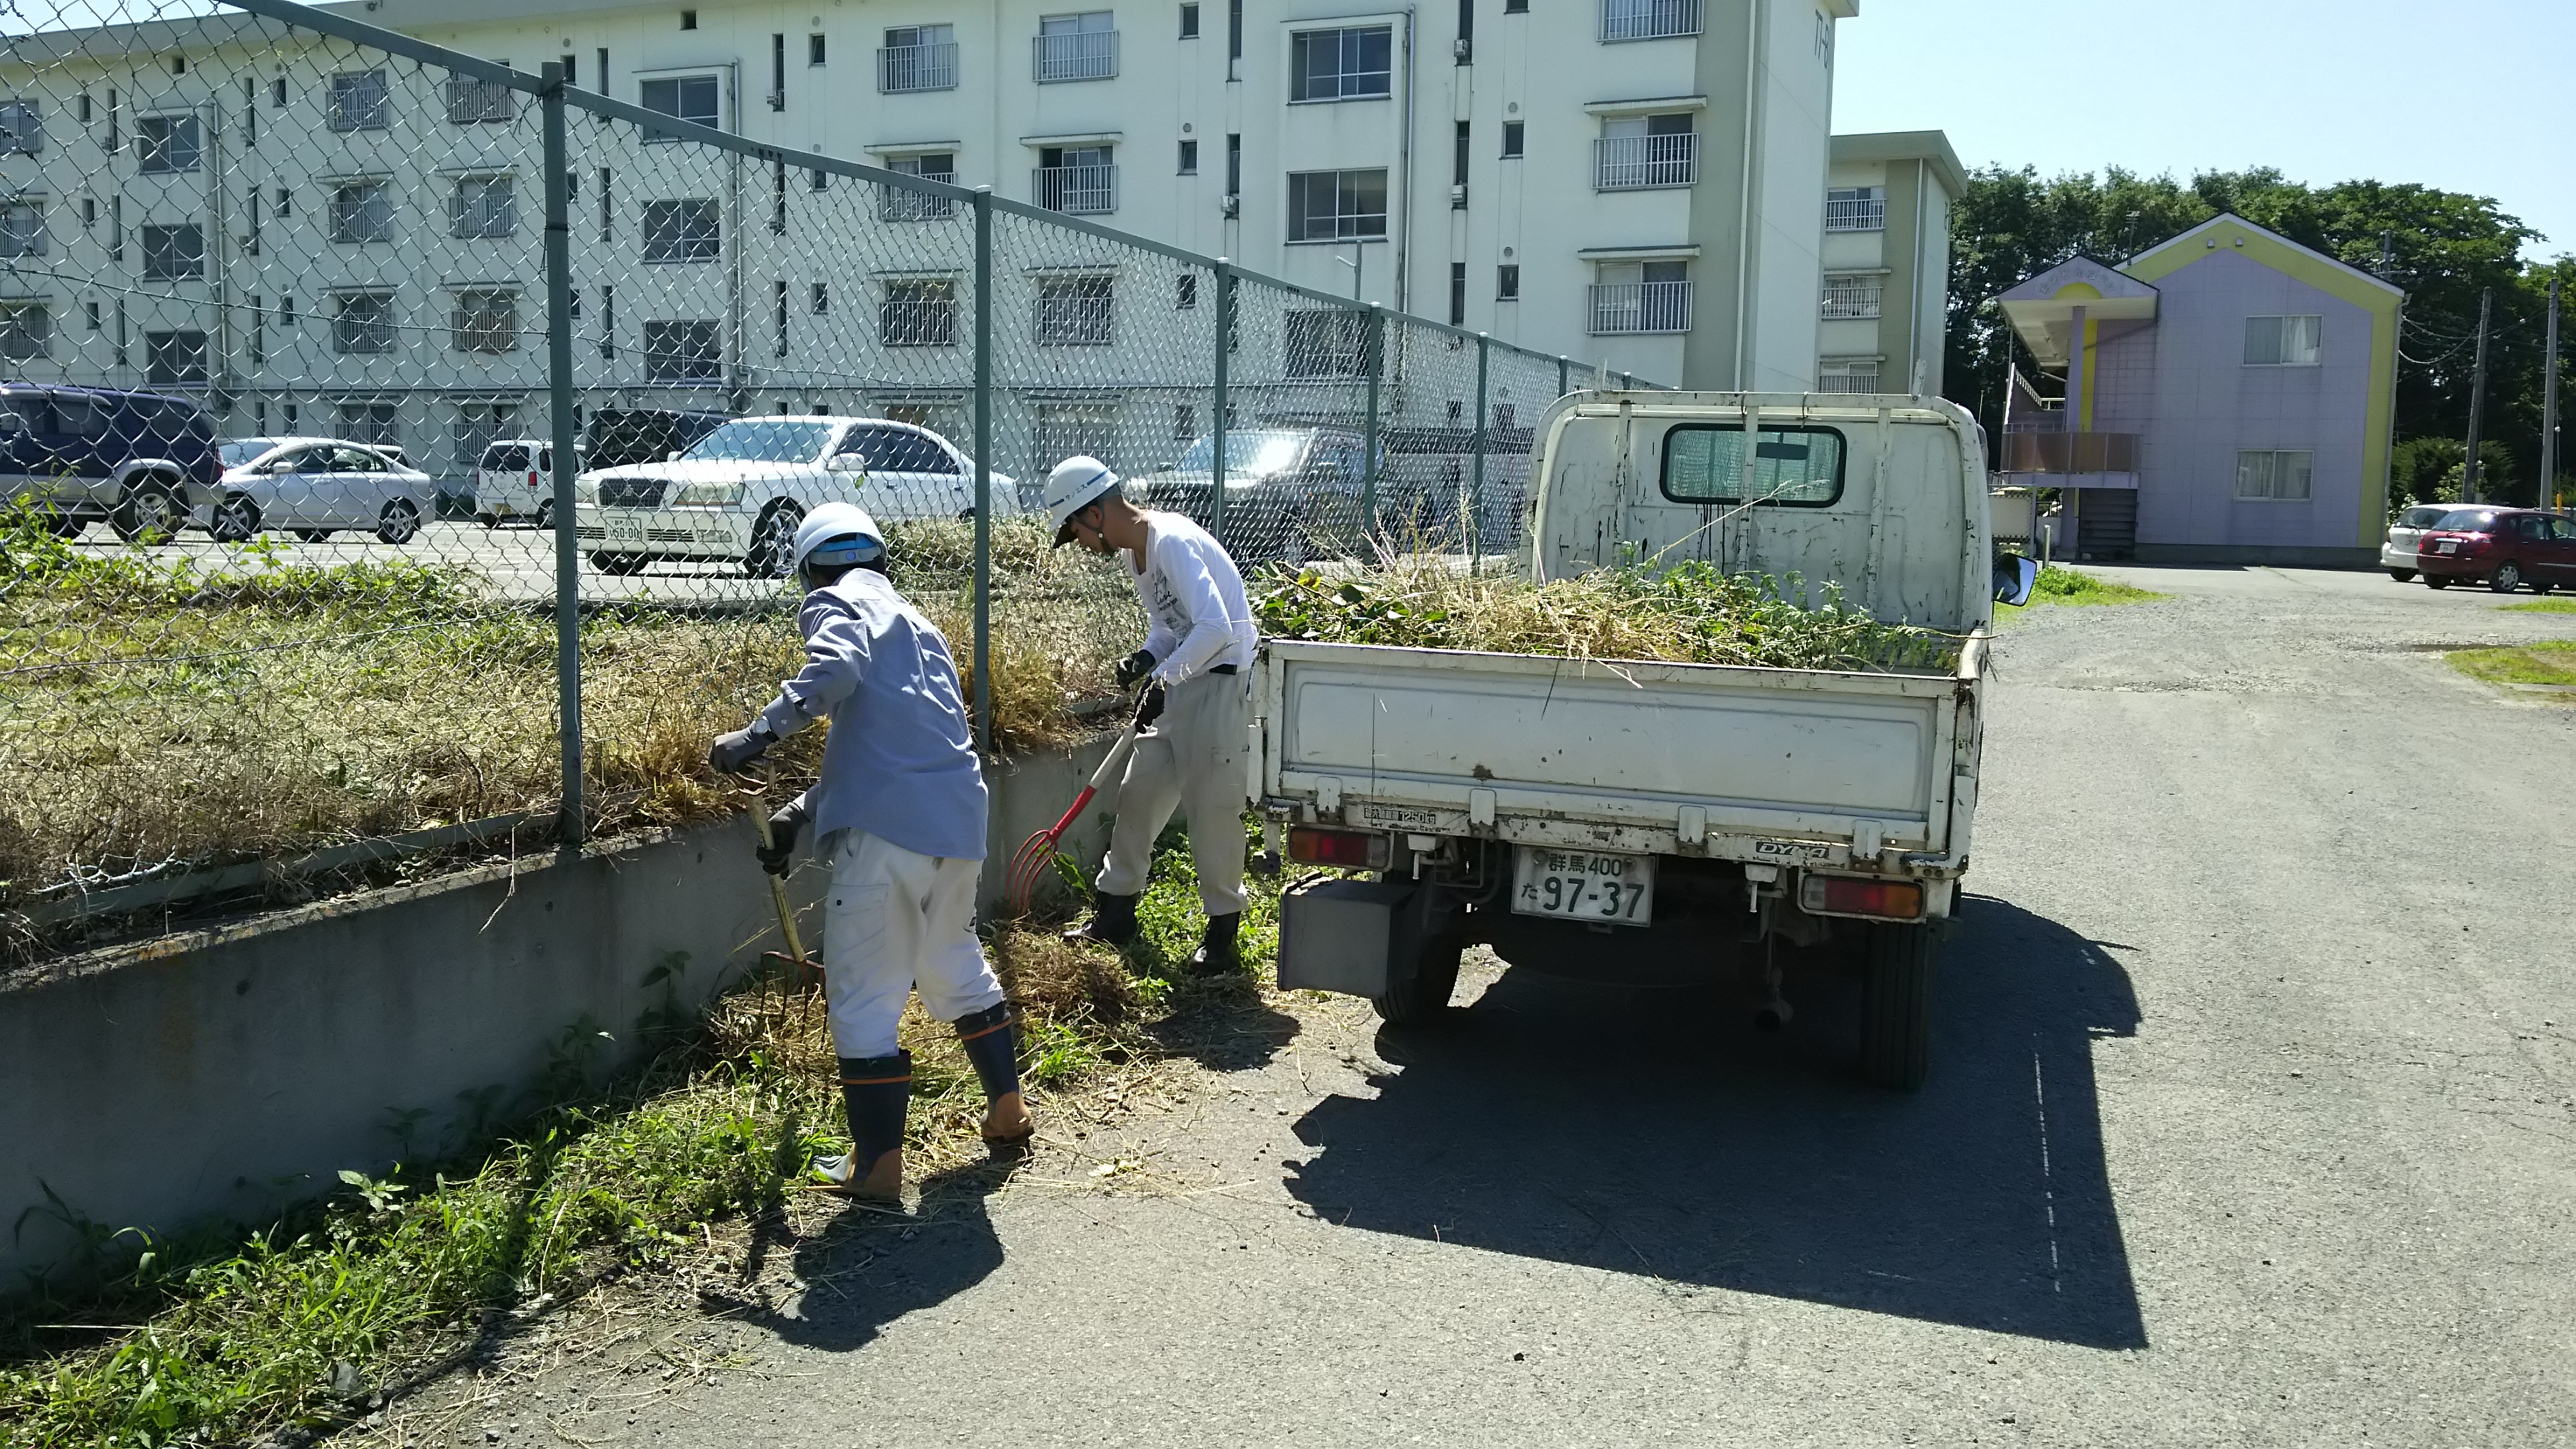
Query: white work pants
[897, 919]
[1195, 758]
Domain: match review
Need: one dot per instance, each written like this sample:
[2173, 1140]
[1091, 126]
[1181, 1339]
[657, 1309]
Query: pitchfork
[1029, 864]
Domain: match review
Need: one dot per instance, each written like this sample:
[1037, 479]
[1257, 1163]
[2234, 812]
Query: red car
[2503, 548]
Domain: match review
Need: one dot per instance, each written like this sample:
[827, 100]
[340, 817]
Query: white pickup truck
[1663, 823]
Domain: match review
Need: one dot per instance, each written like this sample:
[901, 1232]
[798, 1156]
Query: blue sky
[2466, 95]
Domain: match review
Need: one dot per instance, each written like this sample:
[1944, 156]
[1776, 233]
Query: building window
[1186, 295]
[1233, 38]
[1189, 158]
[1515, 136]
[1325, 342]
[1065, 429]
[692, 98]
[1648, 19]
[483, 206]
[174, 252]
[364, 422]
[22, 129]
[683, 352]
[2282, 342]
[1848, 377]
[682, 231]
[1507, 282]
[472, 102]
[1515, 7]
[1234, 164]
[1851, 296]
[477, 427]
[167, 144]
[1634, 153]
[361, 211]
[918, 58]
[1336, 205]
[277, 94]
[1792, 467]
[918, 312]
[486, 321]
[897, 203]
[2279, 476]
[1076, 180]
[1856, 208]
[820, 299]
[174, 359]
[361, 101]
[365, 323]
[1458, 144]
[26, 331]
[1074, 311]
[1339, 65]
[1077, 47]
[1457, 294]
[688, 20]
[22, 229]
[1635, 297]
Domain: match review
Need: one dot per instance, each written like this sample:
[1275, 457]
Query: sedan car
[2503, 548]
[314, 487]
[1290, 493]
[2397, 551]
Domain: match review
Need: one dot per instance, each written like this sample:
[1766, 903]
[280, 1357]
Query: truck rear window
[1798, 467]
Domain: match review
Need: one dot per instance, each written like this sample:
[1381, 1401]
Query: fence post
[1476, 498]
[984, 468]
[1368, 458]
[571, 822]
[1224, 345]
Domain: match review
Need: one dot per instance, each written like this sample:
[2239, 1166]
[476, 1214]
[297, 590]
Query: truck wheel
[1896, 1007]
[1423, 998]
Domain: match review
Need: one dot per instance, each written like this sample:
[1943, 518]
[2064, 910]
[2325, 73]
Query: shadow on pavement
[871, 1267]
[1657, 1133]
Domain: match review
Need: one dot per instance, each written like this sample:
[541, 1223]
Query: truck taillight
[1842, 895]
[1350, 849]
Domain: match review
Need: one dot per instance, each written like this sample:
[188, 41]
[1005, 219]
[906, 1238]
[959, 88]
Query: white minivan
[516, 479]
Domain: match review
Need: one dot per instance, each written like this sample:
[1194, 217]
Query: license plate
[2447, 545]
[625, 530]
[1584, 885]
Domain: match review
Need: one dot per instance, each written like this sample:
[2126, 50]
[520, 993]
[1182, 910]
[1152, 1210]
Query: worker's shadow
[871, 1266]
[1659, 1133]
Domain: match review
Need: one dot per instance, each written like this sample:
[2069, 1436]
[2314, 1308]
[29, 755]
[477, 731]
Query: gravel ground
[2250, 1122]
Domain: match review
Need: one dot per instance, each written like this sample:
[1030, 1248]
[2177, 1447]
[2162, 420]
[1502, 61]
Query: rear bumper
[2393, 557]
[2453, 566]
[662, 532]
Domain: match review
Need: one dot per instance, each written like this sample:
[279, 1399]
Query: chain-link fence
[300, 383]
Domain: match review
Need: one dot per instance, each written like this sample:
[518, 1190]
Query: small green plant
[2551, 662]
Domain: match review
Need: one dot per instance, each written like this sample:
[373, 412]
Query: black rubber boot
[876, 1092]
[1112, 923]
[994, 1047]
[1216, 955]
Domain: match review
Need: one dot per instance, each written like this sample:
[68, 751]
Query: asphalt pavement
[2252, 1120]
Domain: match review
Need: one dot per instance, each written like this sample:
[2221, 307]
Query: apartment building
[1886, 261]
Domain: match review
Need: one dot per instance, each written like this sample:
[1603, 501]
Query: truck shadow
[1657, 1133]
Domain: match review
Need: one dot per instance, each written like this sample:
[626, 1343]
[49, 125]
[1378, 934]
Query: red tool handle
[1066, 823]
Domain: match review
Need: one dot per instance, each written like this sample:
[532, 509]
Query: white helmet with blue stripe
[837, 536]
[1076, 484]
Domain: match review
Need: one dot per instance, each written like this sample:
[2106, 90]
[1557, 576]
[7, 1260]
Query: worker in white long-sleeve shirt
[1197, 668]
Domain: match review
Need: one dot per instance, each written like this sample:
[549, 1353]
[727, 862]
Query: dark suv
[620, 436]
[138, 460]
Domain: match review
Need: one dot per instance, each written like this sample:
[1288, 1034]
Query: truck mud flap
[1350, 936]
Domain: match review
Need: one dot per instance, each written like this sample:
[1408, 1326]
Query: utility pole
[2477, 399]
[2549, 406]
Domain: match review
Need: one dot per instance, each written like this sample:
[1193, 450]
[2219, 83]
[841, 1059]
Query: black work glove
[784, 827]
[732, 754]
[1149, 706]
[1135, 667]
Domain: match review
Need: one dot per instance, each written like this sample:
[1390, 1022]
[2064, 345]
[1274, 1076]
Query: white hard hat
[1075, 485]
[837, 529]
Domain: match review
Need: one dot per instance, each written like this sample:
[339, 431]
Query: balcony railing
[1077, 190]
[2037, 452]
[1854, 379]
[1623, 308]
[471, 101]
[917, 67]
[1080, 55]
[894, 203]
[1638, 163]
[1852, 301]
[1870, 215]
[1648, 19]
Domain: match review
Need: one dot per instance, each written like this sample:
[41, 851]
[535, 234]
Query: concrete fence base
[231, 1071]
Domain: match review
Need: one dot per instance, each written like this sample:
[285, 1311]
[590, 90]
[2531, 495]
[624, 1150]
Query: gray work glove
[1135, 667]
[732, 754]
[1149, 707]
[777, 856]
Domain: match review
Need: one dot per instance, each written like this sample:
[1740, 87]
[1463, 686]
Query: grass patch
[2059, 585]
[2541, 606]
[228, 1336]
[2551, 661]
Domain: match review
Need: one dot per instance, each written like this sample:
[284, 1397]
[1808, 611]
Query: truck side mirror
[2015, 577]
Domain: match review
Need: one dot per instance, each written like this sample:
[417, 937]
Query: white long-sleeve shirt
[1193, 593]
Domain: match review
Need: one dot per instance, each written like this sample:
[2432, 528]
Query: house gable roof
[2229, 232]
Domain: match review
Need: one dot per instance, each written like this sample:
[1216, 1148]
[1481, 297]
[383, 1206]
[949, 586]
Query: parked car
[1289, 492]
[516, 479]
[315, 487]
[2503, 548]
[2397, 552]
[738, 493]
[619, 436]
[136, 460]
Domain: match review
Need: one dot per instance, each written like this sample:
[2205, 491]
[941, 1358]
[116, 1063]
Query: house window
[1352, 63]
[900, 204]
[1515, 134]
[1189, 158]
[486, 321]
[1634, 153]
[174, 359]
[361, 211]
[22, 229]
[1074, 311]
[1325, 342]
[682, 231]
[1798, 467]
[683, 352]
[1189, 22]
[918, 58]
[691, 98]
[814, 50]
[365, 323]
[918, 312]
[2278, 476]
[1851, 296]
[361, 101]
[1336, 205]
[1077, 47]
[1848, 377]
[1648, 19]
[2282, 342]
[22, 130]
[167, 144]
[1507, 282]
[174, 252]
[1641, 297]
[1856, 208]
[1076, 180]
[484, 206]
[26, 331]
